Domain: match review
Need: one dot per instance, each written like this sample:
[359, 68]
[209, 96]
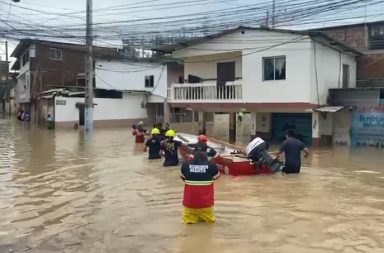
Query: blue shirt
[292, 148]
[154, 145]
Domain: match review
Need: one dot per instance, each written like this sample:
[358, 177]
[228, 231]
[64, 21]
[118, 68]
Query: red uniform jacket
[198, 189]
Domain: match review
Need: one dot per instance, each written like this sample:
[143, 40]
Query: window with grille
[55, 54]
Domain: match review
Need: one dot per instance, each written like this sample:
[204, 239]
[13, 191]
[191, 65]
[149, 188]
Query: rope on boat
[226, 143]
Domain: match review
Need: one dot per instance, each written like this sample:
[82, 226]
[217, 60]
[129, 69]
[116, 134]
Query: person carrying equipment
[153, 145]
[198, 200]
[169, 147]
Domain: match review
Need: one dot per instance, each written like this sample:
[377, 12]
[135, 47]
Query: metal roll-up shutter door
[300, 122]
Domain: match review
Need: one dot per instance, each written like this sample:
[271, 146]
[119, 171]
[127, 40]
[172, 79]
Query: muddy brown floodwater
[62, 191]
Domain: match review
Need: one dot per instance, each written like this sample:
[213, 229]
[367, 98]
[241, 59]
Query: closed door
[345, 76]
[81, 115]
[301, 123]
[225, 73]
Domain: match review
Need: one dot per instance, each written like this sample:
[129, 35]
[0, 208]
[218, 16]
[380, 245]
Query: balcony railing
[206, 92]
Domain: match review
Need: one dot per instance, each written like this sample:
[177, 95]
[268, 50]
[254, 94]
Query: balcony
[207, 92]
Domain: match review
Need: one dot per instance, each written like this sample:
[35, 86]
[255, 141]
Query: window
[55, 54]
[25, 58]
[376, 36]
[274, 68]
[81, 82]
[26, 77]
[149, 81]
[113, 94]
[345, 76]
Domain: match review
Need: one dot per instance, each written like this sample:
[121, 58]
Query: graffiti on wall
[368, 126]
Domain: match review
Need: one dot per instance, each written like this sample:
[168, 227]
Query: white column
[167, 116]
[202, 120]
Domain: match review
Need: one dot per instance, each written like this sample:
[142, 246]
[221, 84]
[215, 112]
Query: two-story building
[368, 97]
[282, 77]
[150, 78]
[44, 65]
[126, 92]
[140, 89]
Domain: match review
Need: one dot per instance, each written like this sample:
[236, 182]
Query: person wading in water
[169, 147]
[153, 145]
[198, 200]
[292, 149]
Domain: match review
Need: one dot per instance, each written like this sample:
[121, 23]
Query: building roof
[26, 43]
[347, 26]
[318, 36]
[99, 52]
[106, 53]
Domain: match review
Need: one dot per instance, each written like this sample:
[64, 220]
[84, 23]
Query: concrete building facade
[280, 76]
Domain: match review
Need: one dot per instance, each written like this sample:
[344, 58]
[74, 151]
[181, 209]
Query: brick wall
[353, 36]
[54, 72]
[370, 66]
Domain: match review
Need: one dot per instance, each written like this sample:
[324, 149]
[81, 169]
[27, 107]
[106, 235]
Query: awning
[330, 108]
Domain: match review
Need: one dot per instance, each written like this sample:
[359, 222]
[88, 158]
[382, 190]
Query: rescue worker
[138, 134]
[198, 201]
[140, 127]
[202, 146]
[153, 145]
[162, 131]
[167, 127]
[170, 147]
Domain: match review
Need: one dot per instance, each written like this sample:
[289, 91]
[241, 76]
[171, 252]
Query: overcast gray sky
[66, 13]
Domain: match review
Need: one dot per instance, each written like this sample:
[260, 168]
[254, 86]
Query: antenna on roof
[273, 12]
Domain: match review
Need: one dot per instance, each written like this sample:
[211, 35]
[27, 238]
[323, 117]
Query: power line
[288, 13]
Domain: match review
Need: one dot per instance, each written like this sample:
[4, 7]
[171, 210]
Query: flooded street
[62, 191]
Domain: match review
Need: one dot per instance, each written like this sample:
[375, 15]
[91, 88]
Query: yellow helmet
[155, 131]
[170, 133]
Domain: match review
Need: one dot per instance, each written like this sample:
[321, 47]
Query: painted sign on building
[368, 126]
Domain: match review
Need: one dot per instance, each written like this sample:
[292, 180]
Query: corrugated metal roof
[330, 108]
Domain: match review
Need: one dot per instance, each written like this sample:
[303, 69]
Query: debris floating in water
[367, 171]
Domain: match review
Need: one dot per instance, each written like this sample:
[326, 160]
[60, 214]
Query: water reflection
[64, 191]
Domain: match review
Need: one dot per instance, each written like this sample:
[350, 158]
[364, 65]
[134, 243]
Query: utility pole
[89, 71]
[273, 12]
[6, 78]
[366, 25]
[142, 46]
